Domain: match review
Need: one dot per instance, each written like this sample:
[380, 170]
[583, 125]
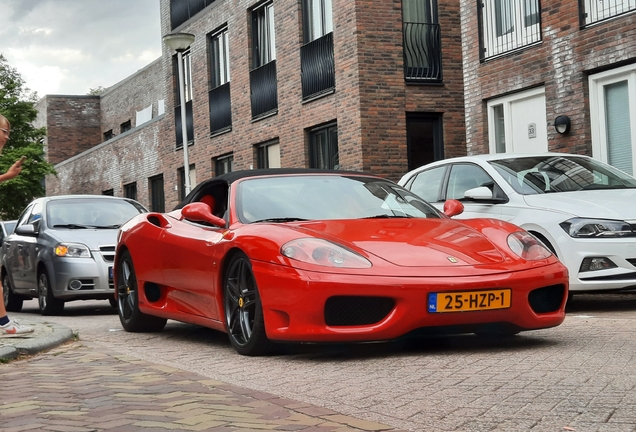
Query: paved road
[579, 376]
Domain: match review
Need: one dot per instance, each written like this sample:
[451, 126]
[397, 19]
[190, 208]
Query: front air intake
[357, 310]
[547, 299]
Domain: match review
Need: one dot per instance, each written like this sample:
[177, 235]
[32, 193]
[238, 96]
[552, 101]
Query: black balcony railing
[182, 10]
[318, 74]
[595, 11]
[220, 108]
[189, 123]
[264, 89]
[422, 52]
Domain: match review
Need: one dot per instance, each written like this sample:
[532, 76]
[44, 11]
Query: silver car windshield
[293, 198]
[90, 213]
[547, 174]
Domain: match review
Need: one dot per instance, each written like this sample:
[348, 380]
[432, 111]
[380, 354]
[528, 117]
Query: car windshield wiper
[72, 226]
[282, 219]
[106, 226]
[386, 216]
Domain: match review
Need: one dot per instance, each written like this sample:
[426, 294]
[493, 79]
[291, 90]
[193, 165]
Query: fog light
[596, 263]
[75, 285]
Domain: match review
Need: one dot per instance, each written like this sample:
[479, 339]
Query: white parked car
[582, 209]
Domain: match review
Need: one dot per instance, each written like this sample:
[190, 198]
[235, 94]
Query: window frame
[315, 27]
[329, 157]
[219, 51]
[263, 27]
[495, 44]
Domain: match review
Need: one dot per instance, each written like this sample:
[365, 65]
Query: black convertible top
[224, 180]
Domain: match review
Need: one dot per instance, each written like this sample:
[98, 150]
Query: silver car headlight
[72, 250]
[590, 228]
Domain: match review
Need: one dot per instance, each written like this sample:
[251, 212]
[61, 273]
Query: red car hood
[412, 242]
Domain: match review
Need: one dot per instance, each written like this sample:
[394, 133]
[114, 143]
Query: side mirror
[201, 212]
[28, 230]
[453, 207]
[479, 193]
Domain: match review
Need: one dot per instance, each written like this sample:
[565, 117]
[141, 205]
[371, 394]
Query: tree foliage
[17, 104]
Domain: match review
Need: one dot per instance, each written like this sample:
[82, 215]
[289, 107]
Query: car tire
[243, 310]
[12, 302]
[131, 318]
[49, 305]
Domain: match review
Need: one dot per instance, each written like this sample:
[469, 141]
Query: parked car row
[491, 244]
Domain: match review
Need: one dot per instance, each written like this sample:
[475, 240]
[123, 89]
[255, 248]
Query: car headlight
[324, 253]
[72, 250]
[527, 246]
[588, 228]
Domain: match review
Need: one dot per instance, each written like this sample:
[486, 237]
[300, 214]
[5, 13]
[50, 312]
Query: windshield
[310, 197]
[547, 174]
[90, 213]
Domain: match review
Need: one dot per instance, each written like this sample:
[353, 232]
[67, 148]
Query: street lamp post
[180, 42]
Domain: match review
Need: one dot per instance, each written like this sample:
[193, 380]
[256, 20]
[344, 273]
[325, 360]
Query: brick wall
[121, 102]
[72, 122]
[562, 63]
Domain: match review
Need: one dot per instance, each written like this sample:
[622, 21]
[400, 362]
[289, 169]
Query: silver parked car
[63, 249]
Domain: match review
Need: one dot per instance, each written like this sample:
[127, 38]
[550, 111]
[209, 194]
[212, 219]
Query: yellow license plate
[463, 301]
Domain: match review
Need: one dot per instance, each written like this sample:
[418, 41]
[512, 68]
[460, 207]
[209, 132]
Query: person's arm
[13, 171]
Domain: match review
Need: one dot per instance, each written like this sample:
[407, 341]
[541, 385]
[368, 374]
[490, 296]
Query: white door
[517, 123]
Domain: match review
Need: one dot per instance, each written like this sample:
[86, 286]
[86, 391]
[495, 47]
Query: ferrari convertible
[294, 255]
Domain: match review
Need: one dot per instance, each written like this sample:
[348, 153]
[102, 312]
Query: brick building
[528, 62]
[349, 84]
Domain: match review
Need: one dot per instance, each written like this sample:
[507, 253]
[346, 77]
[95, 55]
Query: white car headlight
[589, 228]
[72, 250]
[527, 246]
[324, 253]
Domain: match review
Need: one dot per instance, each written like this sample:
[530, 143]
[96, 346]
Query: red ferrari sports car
[326, 256]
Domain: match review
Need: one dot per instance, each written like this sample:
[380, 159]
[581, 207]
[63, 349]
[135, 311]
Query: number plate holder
[467, 301]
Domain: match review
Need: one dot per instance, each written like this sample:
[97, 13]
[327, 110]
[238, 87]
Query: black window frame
[157, 193]
[323, 147]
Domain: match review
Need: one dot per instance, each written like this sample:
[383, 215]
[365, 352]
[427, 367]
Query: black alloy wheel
[12, 302]
[131, 318]
[243, 310]
[49, 305]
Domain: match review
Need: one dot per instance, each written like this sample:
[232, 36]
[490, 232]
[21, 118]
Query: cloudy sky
[71, 46]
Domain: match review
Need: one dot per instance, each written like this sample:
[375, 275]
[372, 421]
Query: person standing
[9, 327]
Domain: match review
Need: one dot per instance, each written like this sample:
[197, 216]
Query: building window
[323, 147]
[108, 135]
[424, 140]
[187, 78]
[268, 155]
[109, 192]
[157, 199]
[317, 15]
[182, 10]
[422, 41]
[224, 164]
[130, 190]
[125, 126]
[599, 10]
[316, 55]
[263, 85]
[509, 25]
[613, 117]
[219, 95]
[517, 122]
[263, 35]
[181, 180]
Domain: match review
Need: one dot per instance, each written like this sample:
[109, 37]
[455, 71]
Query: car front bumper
[294, 303]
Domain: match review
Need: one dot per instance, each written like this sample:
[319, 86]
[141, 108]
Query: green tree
[17, 104]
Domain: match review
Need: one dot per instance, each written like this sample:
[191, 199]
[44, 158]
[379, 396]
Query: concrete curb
[46, 335]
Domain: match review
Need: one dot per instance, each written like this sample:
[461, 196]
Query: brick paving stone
[94, 390]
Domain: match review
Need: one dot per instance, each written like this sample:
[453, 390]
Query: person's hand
[16, 168]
